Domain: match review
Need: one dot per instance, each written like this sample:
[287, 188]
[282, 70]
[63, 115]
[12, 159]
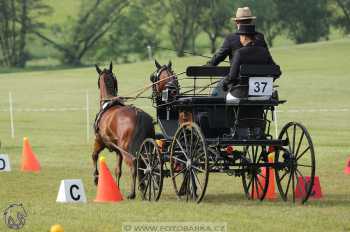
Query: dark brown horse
[119, 128]
[164, 77]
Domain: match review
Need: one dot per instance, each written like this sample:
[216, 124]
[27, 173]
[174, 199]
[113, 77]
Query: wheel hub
[188, 164]
[148, 169]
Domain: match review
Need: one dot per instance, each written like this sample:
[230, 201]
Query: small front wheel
[189, 167]
[255, 177]
[149, 171]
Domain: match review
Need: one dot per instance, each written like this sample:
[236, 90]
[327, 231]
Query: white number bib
[260, 86]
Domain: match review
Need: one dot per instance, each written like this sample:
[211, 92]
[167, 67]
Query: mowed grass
[315, 77]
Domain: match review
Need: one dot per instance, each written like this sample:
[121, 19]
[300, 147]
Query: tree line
[122, 29]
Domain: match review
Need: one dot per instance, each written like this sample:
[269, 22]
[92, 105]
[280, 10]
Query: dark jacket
[230, 45]
[250, 54]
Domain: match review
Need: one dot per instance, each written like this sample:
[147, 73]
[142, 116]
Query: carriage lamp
[229, 149]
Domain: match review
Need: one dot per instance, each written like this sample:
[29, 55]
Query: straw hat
[243, 14]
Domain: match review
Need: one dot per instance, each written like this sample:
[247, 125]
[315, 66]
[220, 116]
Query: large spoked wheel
[295, 163]
[189, 163]
[149, 171]
[255, 178]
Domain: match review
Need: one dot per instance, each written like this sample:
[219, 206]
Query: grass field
[316, 77]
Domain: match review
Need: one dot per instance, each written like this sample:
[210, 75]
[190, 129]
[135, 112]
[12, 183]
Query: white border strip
[63, 109]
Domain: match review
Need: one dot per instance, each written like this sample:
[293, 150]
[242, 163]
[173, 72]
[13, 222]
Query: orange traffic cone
[107, 189]
[271, 194]
[29, 161]
[347, 167]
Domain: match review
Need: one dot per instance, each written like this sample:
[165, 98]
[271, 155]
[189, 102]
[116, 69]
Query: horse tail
[144, 128]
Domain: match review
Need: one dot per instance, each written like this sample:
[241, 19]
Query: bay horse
[119, 128]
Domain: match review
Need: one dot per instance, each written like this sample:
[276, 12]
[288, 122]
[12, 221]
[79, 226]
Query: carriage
[202, 134]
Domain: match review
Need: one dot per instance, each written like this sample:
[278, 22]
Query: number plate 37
[260, 86]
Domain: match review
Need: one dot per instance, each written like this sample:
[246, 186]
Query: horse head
[164, 78]
[107, 83]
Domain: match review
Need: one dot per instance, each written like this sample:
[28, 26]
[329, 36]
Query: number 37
[260, 86]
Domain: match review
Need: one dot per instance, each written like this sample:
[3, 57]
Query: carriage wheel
[149, 171]
[295, 162]
[255, 179]
[189, 163]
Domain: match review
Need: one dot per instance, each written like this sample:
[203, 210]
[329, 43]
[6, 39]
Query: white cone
[71, 191]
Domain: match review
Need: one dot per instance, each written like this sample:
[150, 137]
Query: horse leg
[118, 167]
[133, 173]
[98, 147]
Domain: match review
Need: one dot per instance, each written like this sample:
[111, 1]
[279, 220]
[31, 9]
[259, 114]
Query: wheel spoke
[250, 182]
[184, 169]
[183, 183]
[293, 185]
[256, 187]
[308, 148]
[183, 151]
[144, 160]
[197, 179]
[191, 138]
[262, 188]
[197, 157]
[198, 169]
[294, 131]
[143, 179]
[155, 182]
[303, 178]
[287, 188]
[146, 188]
[185, 139]
[290, 149]
[150, 189]
[304, 165]
[178, 159]
[299, 144]
[284, 175]
[157, 173]
[252, 194]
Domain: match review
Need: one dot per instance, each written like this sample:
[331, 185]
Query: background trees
[18, 18]
[99, 30]
[304, 20]
[78, 35]
[342, 14]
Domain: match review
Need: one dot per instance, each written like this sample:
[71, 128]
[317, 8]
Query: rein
[139, 92]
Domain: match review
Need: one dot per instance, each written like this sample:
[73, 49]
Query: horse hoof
[131, 196]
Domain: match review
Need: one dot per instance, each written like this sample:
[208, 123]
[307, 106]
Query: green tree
[129, 37]
[304, 20]
[342, 16]
[184, 23]
[78, 35]
[18, 18]
[215, 19]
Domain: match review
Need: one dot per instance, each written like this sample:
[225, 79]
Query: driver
[232, 41]
[250, 53]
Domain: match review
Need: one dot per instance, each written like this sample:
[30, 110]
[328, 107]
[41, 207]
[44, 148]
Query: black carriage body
[198, 130]
[221, 122]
